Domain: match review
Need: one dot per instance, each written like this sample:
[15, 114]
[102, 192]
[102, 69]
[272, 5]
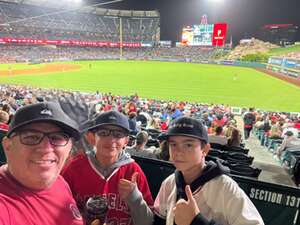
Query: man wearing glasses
[110, 173]
[38, 142]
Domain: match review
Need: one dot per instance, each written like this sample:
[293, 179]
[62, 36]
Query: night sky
[244, 17]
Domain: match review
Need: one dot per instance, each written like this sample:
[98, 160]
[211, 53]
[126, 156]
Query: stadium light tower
[76, 2]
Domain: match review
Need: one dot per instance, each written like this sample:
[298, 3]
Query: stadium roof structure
[86, 8]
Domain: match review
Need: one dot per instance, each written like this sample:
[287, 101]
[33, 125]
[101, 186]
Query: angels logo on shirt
[75, 211]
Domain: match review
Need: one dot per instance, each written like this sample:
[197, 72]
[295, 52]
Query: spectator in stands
[219, 120]
[4, 117]
[132, 123]
[235, 139]
[249, 120]
[111, 173]
[6, 108]
[143, 118]
[218, 137]
[230, 126]
[163, 152]
[31, 190]
[155, 124]
[276, 129]
[207, 120]
[290, 142]
[140, 148]
[199, 192]
[289, 126]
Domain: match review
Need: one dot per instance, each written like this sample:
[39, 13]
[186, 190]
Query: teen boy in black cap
[110, 173]
[199, 192]
[38, 142]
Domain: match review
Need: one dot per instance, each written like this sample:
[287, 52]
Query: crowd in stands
[49, 53]
[149, 114]
[279, 132]
[25, 21]
[149, 118]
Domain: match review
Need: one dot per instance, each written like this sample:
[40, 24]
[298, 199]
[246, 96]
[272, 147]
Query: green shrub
[258, 57]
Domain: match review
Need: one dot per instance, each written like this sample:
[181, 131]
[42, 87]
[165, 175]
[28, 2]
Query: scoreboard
[205, 35]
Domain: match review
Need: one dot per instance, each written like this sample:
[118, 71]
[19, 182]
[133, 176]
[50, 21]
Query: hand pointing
[127, 186]
[185, 211]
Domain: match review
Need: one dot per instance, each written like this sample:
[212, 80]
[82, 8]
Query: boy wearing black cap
[38, 142]
[199, 192]
[110, 173]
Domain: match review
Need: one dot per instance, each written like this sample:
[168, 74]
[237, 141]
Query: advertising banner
[219, 34]
[66, 42]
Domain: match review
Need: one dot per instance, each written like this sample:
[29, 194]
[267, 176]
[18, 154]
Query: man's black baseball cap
[44, 112]
[112, 117]
[187, 126]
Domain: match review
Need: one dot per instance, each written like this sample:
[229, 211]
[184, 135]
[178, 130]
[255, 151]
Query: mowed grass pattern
[234, 86]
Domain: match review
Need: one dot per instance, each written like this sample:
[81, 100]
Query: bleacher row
[26, 21]
[157, 170]
[235, 158]
[43, 53]
[290, 157]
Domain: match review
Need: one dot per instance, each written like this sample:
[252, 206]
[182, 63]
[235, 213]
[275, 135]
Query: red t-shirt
[85, 182]
[20, 205]
[4, 126]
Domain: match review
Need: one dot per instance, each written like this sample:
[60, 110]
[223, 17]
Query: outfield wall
[285, 66]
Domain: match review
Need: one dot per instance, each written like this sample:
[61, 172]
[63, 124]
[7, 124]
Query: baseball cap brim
[73, 132]
[108, 124]
[166, 137]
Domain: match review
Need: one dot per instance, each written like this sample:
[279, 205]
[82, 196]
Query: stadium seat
[155, 170]
[244, 170]
[235, 149]
[216, 146]
[236, 157]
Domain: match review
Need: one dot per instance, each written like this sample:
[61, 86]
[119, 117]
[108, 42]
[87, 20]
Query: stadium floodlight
[74, 1]
[216, 1]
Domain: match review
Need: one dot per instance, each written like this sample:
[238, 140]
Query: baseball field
[235, 86]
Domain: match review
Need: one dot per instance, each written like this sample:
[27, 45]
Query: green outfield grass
[234, 86]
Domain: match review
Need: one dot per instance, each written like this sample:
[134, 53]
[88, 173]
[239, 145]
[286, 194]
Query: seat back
[244, 170]
[235, 149]
[155, 170]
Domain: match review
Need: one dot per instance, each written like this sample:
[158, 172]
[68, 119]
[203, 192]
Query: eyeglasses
[35, 137]
[114, 133]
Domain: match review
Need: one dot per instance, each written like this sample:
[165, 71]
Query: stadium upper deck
[34, 19]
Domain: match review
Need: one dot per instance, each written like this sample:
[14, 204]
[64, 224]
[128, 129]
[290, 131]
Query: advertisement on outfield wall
[66, 42]
[288, 66]
[205, 35]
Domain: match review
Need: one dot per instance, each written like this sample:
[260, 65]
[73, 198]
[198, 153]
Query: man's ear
[206, 149]
[90, 137]
[6, 143]
[126, 140]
